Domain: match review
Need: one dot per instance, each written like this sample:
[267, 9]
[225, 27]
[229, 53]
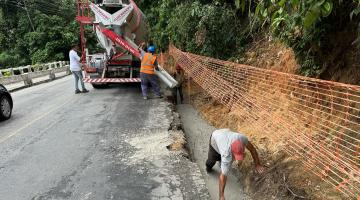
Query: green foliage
[211, 28]
[44, 36]
[309, 67]
[223, 28]
[304, 25]
[216, 28]
[8, 59]
[354, 13]
[7, 74]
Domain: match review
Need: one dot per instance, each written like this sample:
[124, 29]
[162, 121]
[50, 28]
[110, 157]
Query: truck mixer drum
[120, 28]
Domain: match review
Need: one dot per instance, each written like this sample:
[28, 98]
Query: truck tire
[5, 108]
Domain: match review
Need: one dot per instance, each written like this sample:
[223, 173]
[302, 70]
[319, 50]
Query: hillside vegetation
[322, 33]
[36, 31]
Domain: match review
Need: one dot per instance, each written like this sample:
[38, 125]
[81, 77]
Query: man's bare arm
[222, 183]
[255, 155]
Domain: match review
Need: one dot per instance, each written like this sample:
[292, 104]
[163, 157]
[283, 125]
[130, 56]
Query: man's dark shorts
[213, 156]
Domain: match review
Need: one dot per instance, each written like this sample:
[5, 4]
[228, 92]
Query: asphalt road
[107, 144]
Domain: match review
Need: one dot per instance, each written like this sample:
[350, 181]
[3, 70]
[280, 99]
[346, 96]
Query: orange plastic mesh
[321, 125]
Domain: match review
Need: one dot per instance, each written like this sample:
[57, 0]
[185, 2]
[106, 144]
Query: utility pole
[27, 12]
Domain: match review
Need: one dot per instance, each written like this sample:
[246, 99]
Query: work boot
[85, 91]
[77, 91]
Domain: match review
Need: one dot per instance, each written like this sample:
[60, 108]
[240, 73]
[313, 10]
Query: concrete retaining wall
[27, 76]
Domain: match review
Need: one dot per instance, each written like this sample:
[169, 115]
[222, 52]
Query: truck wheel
[5, 108]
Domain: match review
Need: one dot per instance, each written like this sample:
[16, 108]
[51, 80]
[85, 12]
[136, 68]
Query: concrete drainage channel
[191, 134]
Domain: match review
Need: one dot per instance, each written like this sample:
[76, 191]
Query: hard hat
[151, 49]
[238, 149]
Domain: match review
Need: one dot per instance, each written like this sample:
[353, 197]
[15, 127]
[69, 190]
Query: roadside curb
[37, 83]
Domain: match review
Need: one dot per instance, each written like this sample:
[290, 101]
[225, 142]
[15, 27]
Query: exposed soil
[285, 178]
[269, 54]
[342, 64]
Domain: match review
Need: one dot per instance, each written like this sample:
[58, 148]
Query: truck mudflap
[112, 80]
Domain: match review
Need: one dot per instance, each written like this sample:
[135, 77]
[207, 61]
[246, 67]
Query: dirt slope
[286, 178]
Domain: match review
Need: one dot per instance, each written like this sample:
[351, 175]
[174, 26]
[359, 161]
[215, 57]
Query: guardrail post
[52, 74]
[21, 70]
[11, 70]
[68, 72]
[29, 68]
[42, 67]
[27, 80]
[36, 67]
[51, 70]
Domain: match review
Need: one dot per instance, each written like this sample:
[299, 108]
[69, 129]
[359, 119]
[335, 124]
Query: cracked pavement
[107, 144]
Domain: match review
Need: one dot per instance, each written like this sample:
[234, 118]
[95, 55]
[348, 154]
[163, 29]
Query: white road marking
[3, 139]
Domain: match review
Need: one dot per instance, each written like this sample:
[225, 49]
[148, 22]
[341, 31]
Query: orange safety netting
[319, 120]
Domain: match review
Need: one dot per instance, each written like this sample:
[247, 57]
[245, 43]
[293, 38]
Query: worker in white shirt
[226, 146]
[75, 68]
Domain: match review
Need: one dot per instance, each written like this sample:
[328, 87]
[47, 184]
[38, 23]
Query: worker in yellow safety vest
[147, 72]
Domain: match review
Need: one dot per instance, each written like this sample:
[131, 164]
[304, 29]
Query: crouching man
[225, 146]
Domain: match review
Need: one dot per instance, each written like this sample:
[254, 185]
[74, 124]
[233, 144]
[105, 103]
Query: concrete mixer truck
[120, 27]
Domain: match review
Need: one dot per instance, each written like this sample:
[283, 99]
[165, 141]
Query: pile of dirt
[266, 53]
[340, 63]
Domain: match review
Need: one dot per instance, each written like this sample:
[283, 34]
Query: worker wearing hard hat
[147, 72]
[225, 146]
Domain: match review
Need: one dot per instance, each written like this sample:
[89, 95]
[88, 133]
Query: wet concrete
[107, 144]
[197, 133]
